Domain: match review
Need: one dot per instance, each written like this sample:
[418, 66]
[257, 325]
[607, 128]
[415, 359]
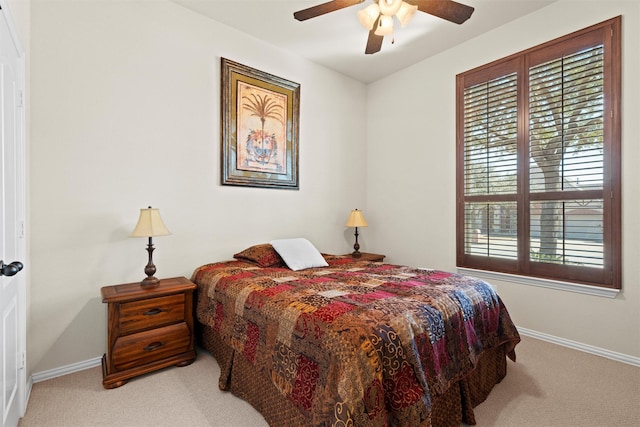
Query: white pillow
[299, 253]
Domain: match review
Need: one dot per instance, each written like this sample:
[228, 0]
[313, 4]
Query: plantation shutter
[538, 179]
[566, 138]
[490, 168]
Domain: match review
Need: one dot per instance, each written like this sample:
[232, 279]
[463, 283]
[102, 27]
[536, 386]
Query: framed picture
[260, 114]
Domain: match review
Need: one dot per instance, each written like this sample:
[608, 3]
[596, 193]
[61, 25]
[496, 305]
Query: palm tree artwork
[262, 127]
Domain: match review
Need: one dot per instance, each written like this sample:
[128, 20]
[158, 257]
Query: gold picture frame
[259, 127]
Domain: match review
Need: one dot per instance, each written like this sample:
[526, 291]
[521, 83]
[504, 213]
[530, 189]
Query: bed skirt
[450, 409]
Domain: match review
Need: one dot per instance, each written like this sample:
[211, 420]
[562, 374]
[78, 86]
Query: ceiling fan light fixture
[368, 16]
[385, 26]
[377, 18]
[390, 7]
[405, 13]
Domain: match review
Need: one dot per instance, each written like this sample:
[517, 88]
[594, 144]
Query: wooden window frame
[609, 33]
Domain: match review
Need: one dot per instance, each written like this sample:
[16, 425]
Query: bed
[352, 343]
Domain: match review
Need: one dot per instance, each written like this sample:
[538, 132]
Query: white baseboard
[65, 370]
[619, 357]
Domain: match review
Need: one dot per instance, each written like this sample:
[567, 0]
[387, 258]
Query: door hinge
[21, 99]
[22, 360]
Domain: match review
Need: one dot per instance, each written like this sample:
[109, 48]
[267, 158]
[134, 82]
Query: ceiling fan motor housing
[389, 7]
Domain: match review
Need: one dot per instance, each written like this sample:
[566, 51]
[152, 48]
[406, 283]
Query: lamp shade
[405, 13]
[149, 224]
[356, 219]
[368, 15]
[385, 26]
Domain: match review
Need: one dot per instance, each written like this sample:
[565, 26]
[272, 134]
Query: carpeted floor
[551, 385]
[548, 386]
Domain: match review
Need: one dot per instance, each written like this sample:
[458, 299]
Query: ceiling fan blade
[321, 9]
[445, 9]
[374, 42]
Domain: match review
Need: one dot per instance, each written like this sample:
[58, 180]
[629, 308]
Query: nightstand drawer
[149, 346]
[151, 313]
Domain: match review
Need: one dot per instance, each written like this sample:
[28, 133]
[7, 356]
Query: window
[538, 161]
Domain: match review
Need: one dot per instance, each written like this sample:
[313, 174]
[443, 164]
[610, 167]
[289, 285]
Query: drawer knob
[153, 346]
[153, 312]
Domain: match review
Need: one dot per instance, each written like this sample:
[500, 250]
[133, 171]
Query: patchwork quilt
[355, 343]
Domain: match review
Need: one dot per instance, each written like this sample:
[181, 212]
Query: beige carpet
[548, 386]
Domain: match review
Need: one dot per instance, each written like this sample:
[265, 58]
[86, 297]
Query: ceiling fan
[378, 17]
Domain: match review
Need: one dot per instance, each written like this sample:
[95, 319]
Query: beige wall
[125, 109]
[414, 196]
[125, 114]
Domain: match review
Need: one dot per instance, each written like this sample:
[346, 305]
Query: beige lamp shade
[368, 15]
[385, 26]
[150, 224]
[405, 13]
[356, 219]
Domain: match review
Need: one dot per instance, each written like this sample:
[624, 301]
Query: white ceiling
[337, 40]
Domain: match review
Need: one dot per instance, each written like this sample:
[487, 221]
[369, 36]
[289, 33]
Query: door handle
[10, 269]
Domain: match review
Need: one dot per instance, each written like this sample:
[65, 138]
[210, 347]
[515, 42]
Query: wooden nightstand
[148, 329]
[364, 256]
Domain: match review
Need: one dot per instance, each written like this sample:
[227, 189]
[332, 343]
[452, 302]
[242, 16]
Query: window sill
[543, 283]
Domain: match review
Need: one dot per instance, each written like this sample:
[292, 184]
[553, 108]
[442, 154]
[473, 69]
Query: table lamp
[356, 219]
[150, 225]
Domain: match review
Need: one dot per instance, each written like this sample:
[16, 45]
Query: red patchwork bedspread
[355, 343]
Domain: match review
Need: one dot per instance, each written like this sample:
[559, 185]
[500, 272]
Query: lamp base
[150, 282]
[356, 246]
[150, 269]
